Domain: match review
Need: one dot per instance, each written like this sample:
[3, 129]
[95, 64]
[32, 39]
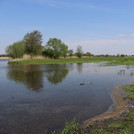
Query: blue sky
[99, 26]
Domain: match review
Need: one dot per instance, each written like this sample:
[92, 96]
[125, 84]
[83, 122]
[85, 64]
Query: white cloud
[132, 35]
[121, 35]
[105, 46]
[125, 35]
[104, 42]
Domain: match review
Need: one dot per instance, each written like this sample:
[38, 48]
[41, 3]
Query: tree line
[32, 44]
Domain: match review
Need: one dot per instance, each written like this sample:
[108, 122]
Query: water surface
[36, 98]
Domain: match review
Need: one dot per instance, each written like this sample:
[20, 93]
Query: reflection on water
[121, 72]
[57, 94]
[132, 73]
[56, 75]
[80, 67]
[31, 76]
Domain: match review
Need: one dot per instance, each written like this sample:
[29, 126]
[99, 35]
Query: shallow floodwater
[35, 98]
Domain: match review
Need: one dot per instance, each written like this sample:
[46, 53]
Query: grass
[110, 60]
[130, 91]
[115, 127]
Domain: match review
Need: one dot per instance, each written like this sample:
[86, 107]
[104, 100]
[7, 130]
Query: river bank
[118, 119]
[5, 58]
[110, 60]
[117, 111]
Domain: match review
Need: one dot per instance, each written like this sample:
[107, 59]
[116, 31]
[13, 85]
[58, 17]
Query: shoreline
[117, 111]
[111, 61]
[5, 58]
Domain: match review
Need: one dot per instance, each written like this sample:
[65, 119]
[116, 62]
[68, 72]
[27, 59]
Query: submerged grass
[110, 60]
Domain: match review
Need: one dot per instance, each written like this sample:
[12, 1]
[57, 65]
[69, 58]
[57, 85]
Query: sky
[99, 26]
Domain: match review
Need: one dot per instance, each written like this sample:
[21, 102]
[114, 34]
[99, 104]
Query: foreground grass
[115, 127]
[130, 91]
[110, 60]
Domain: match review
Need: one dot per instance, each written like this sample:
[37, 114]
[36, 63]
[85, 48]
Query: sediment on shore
[5, 58]
[118, 110]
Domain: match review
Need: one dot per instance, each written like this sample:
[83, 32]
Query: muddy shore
[117, 111]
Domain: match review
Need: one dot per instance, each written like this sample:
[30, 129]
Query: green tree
[79, 52]
[16, 50]
[88, 54]
[55, 48]
[64, 50]
[107, 55]
[70, 53]
[33, 43]
[122, 55]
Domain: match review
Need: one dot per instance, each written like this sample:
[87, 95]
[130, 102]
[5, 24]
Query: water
[35, 98]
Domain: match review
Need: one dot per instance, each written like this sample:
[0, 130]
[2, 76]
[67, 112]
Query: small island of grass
[109, 60]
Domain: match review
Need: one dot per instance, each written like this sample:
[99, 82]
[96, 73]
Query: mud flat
[119, 109]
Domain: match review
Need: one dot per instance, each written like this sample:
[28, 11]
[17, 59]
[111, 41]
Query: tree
[70, 53]
[64, 50]
[79, 52]
[33, 42]
[55, 48]
[16, 50]
[107, 55]
[122, 55]
[88, 54]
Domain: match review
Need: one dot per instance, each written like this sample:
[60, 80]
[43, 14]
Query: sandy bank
[117, 111]
[5, 58]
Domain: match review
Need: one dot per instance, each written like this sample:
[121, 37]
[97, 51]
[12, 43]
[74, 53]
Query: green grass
[110, 60]
[115, 127]
[130, 91]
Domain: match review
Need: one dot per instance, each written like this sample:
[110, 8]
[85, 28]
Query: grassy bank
[126, 126]
[111, 61]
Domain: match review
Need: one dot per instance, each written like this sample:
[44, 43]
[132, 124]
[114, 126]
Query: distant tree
[55, 48]
[16, 50]
[88, 54]
[48, 53]
[70, 53]
[118, 55]
[122, 55]
[107, 55]
[79, 52]
[64, 50]
[33, 42]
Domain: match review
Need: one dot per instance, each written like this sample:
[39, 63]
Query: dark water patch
[36, 98]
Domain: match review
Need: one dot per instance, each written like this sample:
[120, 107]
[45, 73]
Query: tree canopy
[70, 52]
[79, 51]
[32, 45]
[55, 48]
[16, 50]
[33, 42]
